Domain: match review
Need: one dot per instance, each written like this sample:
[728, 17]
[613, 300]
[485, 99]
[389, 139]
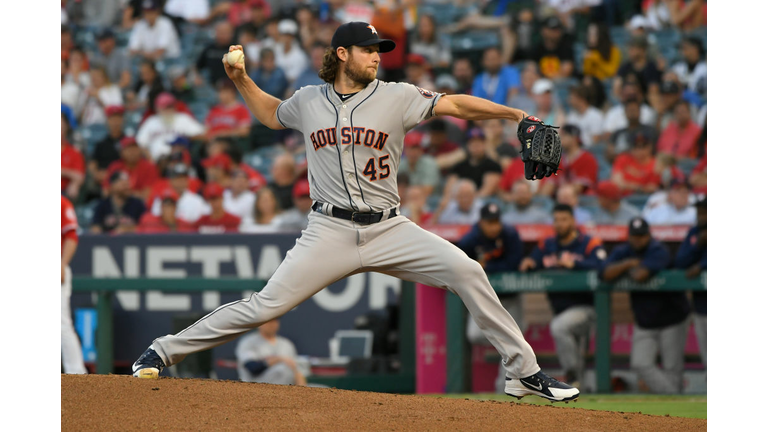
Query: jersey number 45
[372, 173]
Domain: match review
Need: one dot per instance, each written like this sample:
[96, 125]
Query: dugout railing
[457, 352]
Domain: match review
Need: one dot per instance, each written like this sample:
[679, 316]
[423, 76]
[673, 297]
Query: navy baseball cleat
[542, 385]
[149, 365]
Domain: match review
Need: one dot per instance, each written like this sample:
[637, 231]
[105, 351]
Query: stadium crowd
[155, 138]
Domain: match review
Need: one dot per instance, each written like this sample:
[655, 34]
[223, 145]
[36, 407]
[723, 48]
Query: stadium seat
[687, 165]
[442, 13]
[637, 200]
[199, 110]
[476, 40]
[84, 213]
[92, 134]
[546, 203]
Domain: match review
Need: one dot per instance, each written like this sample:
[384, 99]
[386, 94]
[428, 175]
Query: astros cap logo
[373, 29]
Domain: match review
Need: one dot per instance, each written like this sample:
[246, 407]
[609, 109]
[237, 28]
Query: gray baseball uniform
[353, 154]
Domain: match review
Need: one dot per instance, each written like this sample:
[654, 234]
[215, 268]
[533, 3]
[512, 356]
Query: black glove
[541, 148]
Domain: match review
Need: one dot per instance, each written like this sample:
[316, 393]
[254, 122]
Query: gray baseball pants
[331, 249]
[669, 342]
[571, 329]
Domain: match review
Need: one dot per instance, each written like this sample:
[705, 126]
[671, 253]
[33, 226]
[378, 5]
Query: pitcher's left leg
[402, 249]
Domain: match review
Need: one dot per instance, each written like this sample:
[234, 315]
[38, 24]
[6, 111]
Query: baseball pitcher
[353, 128]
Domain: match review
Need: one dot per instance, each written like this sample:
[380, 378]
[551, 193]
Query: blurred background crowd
[155, 138]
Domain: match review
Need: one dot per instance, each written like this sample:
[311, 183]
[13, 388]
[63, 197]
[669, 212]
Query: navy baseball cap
[638, 226]
[360, 34]
[490, 212]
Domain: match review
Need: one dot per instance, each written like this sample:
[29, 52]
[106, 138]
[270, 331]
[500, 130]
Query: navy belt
[358, 217]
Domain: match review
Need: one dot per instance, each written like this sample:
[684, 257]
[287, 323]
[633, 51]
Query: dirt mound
[116, 402]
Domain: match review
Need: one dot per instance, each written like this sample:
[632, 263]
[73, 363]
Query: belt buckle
[354, 217]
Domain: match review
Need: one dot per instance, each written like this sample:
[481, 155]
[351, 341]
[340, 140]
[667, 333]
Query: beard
[358, 73]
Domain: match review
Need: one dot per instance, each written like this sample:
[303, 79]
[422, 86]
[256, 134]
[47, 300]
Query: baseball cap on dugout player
[490, 212]
[360, 34]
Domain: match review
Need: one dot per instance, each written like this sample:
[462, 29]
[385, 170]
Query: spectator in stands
[641, 69]
[588, 118]
[677, 210]
[154, 37]
[460, 208]
[566, 194]
[498, 249]
[100, 94]
[498, 82]
[265, 357]
[238, 199]
[266, 215]
[72, 94]
[616, 117]
[426, 43]
[698, 178]
[478, 167]
[208, 65]
[413, 204]
[578, 167]
[595, 92]
[190, 206]
[218, 169]
[149, 83]
[524, 99]
[464, 74]
[119, 212]
[181, 86]
[155, 134]
[168, 221]
[422, 169]
[229, 117]
[635, 170]
[72, 164]
[661, 318]
[309, 75]
[680, 136]
[259, 14]
[142, 173]
[692, 69]
[671, 95]
[612, 210]
[692, 257]
[283, 178]
[417, 72]
[523, 210]
[218, 220]
[297, 218]
[621, 140]
[497, 147]
[546, 109]
[602, 57]
[554, 54]
[191, 11]
[268, 76]
[574, 313]
[289, 56]
[113, 59]
[446, 153]
[107, 150]
[77, 70]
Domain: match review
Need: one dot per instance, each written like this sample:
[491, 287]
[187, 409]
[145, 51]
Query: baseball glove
[541, 148]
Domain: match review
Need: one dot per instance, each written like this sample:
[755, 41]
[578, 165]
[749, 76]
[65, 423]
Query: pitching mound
[116, 402]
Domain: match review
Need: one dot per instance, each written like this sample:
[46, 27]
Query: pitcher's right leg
[325, 253]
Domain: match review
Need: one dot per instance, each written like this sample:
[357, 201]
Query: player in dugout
[574, 312]
[497, 247]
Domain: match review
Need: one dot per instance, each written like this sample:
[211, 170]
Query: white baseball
[235, 56]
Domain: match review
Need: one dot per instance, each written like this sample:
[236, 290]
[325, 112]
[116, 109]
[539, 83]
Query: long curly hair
[331, 64]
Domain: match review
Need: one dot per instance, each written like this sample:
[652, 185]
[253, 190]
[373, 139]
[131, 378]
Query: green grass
[673, 405]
